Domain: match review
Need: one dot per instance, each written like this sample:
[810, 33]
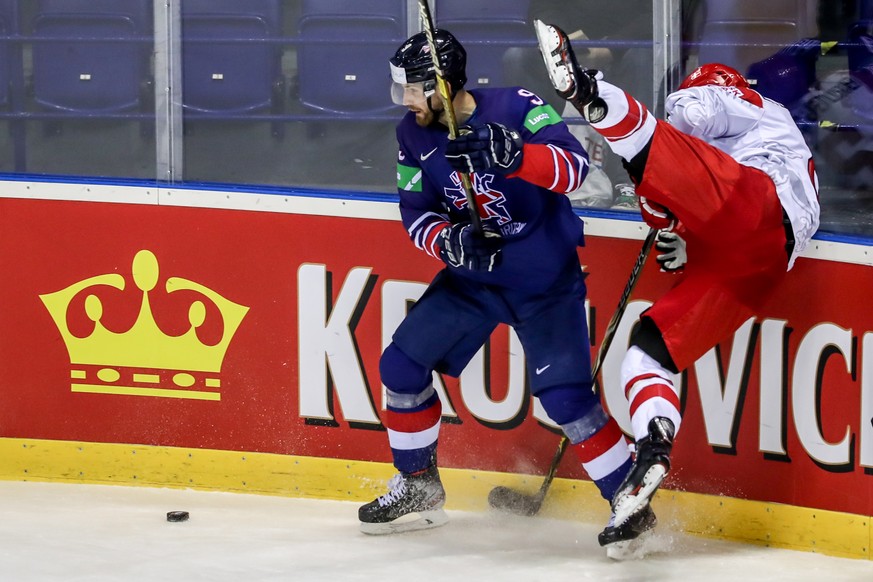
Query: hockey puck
[176, 516]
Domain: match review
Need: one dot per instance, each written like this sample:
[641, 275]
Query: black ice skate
[651, 465]
[625, 540]
[414, 501]
[572, 82]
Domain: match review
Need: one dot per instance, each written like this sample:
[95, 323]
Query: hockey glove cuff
[657, 216]
[488, 147]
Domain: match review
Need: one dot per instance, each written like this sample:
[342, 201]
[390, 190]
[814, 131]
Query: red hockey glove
[656, 216]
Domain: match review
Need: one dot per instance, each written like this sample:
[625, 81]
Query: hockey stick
[506, 499]
[446, 98]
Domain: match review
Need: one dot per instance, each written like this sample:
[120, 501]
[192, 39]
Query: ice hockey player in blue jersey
[522, 270]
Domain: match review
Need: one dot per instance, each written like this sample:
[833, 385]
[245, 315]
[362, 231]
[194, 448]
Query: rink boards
[229, 339]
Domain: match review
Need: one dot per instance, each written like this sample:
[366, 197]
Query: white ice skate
[573, 83]
[554, 48]
[629, 540]
[651, 465]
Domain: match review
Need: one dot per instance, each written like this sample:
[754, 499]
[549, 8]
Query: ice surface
[77, 533]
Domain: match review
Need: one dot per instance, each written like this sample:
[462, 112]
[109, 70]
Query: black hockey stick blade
[512, 501]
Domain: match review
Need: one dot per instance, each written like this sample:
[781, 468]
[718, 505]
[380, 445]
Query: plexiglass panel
[296, 92]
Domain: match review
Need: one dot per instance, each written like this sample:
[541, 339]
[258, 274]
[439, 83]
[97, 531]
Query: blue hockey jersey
[527, 208]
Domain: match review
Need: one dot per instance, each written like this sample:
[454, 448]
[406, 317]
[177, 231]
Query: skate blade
[634, 549]
[630, 504]
[550, 48]
[410, 522]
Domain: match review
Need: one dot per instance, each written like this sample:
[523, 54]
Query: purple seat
[787, 76]
[860, 57]
[738, 33]
[860, 37]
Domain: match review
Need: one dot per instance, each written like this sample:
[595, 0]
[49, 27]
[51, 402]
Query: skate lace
[397, 489]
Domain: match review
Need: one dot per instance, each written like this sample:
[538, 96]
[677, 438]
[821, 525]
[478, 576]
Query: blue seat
[486, 34]
[230, 67]
[8, 52]
[343, 54]
[108, 72]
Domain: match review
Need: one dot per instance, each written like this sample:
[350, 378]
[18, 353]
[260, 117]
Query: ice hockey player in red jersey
[731, 184]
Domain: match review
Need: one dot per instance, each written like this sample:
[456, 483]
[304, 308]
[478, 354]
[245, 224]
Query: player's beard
[428, 115]
[424, 118]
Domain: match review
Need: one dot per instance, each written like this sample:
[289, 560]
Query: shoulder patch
[751, 96]
[408, 178]
[540, 117]
[746, 94]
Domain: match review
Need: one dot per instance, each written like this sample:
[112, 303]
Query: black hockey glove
[488, 147]
[461, 246]
[671, 248]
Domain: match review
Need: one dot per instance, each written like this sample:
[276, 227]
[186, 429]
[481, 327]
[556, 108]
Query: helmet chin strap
[430, 107]
[436, 114]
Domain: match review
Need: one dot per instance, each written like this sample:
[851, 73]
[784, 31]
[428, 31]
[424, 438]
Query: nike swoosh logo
[428, 154]
[543, 369]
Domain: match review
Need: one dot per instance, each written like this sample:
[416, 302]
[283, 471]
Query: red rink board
[259, 260]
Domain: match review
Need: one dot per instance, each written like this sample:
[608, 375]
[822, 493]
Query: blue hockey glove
[488, 147]
[461, 246]
[671, 248]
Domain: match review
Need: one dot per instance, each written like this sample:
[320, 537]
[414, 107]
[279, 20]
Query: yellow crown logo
[144, 361]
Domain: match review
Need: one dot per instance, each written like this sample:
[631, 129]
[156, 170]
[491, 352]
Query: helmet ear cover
[430, 87]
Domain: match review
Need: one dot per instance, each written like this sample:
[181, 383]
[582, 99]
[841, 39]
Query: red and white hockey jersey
[760, 133]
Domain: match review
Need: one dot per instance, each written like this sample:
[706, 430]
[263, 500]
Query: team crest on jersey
[491, 202]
